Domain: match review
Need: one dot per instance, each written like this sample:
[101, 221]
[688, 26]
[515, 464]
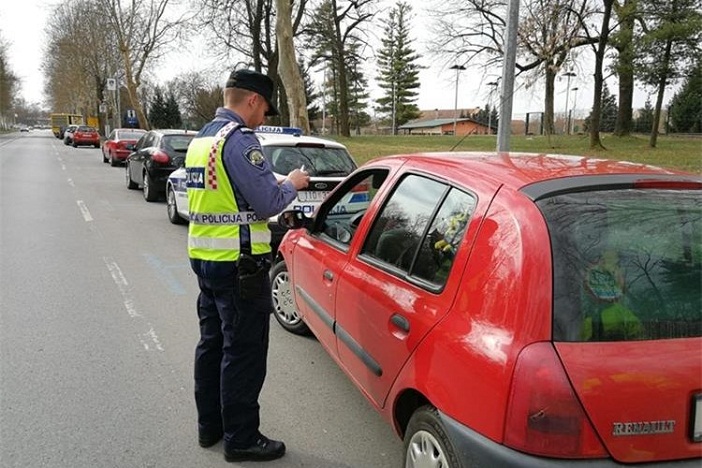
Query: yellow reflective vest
[215, 218]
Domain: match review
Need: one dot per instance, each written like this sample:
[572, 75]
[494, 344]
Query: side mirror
[293, 219]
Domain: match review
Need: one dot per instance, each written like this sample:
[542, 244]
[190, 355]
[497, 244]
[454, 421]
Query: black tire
[284, 308]
[426, 440]
[74, 144]
[131, 185]
[113, 161]
[97, 145]
[104, 159]
[172, 208]
[150, 192]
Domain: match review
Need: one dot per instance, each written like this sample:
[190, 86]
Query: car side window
[142, 142]
[113, 134]
[399, 228]
[340, 215]
[420, 229]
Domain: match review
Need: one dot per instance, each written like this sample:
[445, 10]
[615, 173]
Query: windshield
[127, 135]
[626, 264]
[318, 161]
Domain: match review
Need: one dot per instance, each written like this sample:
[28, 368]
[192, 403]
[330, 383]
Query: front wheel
[283, 301]
[173, 215]
[426, 441]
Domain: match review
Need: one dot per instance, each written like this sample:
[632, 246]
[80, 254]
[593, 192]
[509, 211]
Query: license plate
[697, 418]
[310, 196]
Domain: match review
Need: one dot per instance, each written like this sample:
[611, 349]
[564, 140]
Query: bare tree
[622, 40]
[600, 49]
[142, 31]
[288, 68]
[198, 95]
[8, 85]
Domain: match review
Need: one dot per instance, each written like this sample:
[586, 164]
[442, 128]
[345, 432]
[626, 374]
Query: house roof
[431, 123]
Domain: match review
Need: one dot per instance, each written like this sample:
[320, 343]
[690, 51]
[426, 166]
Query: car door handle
[400, 322]
[328, 275]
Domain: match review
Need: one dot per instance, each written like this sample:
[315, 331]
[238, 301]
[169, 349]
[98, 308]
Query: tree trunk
[288, 68]
[661, 92]
[549, 126]
[596, 115]
[625, 69]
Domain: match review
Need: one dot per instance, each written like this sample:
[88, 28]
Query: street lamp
[458, 69]
[492, 84]
[575, 100]
[568, 74]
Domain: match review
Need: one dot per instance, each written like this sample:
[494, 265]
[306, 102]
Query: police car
[285, 149]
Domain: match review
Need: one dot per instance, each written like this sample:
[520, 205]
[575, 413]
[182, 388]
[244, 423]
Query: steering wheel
[355, 220]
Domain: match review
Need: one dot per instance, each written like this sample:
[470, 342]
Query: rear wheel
[113, 161]
[283, 301]
[173, 215]
[131, 185]
[150, 192]
[104, 158]
[426, 441]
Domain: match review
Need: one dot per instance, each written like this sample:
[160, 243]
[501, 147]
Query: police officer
[231, 194]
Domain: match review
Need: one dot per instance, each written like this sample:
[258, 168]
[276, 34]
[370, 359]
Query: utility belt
[253, 272]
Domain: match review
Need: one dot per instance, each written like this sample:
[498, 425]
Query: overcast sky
[22, 25]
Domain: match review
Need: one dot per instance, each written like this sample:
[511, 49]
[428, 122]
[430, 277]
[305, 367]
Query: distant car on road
[520, 310]
[85, 136]
[285, 149]
[115, 148]
[155, 156]
[23, 128]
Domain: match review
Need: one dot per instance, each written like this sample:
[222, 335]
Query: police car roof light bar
[294, 131]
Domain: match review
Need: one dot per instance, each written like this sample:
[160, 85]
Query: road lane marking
[84, 211]
[149, 339]
[165, 273]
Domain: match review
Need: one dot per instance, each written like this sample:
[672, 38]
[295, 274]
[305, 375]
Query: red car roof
[517, 170]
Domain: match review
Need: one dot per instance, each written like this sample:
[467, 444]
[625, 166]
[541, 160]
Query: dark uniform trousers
[230, 359]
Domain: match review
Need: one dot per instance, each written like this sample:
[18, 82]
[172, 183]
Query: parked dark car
[85, 136]
[114, 148]
[155, 156]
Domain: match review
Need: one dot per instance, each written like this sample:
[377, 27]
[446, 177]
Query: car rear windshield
[177, 142]
[626, 264]
[318, 161]
[130, 135]
[83, 128]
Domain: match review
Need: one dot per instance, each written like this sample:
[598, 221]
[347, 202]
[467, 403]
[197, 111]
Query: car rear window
[177, 142]
[83, 128]
[626, 264]
[130, 135]
[318, 161]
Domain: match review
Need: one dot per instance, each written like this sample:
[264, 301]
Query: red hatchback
[115, 148]
[85, 136]
[510, 310]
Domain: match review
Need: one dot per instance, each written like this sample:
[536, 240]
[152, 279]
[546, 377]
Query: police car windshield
[318, 161]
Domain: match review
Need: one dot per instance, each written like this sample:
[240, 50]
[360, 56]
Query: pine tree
[399, 74]
[172, 112]
[644, 121]
[686, 106]
[157, 112]
[608, 115]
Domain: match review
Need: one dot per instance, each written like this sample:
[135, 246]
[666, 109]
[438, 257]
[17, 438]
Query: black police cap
[254, 81]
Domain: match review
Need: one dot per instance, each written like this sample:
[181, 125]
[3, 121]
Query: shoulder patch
[255, 157]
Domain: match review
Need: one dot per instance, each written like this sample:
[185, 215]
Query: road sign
[111, 84]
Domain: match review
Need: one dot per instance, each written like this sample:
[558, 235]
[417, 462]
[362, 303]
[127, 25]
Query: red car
[512, 309]
[84, 136]
[115, 148]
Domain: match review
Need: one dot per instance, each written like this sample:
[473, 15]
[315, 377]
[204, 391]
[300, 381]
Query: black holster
[252, 275]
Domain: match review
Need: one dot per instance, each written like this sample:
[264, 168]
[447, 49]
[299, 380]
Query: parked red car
[84, 136]
[512, 309]
[114, 148]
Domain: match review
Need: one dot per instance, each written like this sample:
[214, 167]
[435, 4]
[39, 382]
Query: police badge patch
[255, 157]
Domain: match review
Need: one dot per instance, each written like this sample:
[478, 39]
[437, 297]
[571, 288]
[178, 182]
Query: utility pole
[458, 69]
[504, 128]
[566, 126]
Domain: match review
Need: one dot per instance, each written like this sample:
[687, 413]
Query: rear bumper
[474, 450]
[81, 141]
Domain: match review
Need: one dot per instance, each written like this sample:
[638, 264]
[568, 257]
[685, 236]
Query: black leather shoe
[208, 440]
[263, 449]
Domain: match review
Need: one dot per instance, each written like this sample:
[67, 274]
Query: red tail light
[544, 417]
[160, 157]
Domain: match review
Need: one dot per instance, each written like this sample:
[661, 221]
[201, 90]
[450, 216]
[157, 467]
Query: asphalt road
[98, 329]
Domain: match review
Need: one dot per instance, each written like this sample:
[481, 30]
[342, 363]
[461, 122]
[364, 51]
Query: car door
[395, 290]
[136, 159]
[321, 256]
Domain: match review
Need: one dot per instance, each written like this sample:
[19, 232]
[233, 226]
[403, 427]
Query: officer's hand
[300, 179]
